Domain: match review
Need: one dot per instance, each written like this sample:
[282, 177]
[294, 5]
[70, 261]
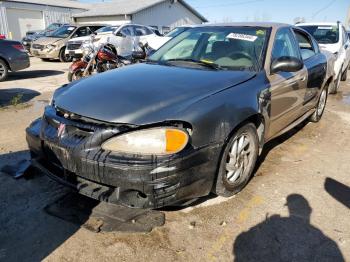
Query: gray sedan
[13, 57]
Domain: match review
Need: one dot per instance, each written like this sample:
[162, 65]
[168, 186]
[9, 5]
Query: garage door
[20, 21]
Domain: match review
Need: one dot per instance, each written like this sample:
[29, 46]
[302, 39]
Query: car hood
[79, 39]
[48, 40]
[144, 93]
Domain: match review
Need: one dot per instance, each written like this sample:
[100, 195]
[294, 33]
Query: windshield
[107, 29]
[176, 31]
[324, 34]
[53, 27]
[63, 31]
[232, 48]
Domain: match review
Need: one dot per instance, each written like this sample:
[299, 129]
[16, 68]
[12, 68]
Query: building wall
[166, 15]
[51, 14]
[113, 20]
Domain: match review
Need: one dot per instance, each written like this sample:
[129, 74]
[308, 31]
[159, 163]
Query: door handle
[303, 79]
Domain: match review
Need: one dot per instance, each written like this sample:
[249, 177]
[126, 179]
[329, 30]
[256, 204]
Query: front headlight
[50, 47]
[154, 141]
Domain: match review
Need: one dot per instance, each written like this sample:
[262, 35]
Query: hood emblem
[60, 130]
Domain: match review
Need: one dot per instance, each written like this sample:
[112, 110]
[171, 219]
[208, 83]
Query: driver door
[287, 88]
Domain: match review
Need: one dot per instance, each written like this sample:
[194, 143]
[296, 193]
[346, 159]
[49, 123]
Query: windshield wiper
[199, 62]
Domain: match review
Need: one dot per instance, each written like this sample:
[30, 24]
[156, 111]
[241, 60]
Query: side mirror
[138, 55]
[286, 64]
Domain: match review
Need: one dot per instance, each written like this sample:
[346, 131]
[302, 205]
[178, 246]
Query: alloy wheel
[239, 157]
[322, 102]
[2, 70]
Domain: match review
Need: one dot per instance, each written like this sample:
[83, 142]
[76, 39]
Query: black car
[13, 57]
[189, 121]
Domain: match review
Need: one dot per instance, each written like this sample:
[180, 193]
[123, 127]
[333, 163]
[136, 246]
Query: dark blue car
[13, 57]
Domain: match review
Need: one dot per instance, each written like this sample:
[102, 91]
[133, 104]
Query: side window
[148, 31]
[127, 31]
[284, 45]
[142, 30]
[82, 31]
[305, 45]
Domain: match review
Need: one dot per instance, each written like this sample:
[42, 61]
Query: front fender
[77, 65]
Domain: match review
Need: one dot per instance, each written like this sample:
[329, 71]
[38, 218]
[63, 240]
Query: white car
[332, 37]
[156, 42]
[125, 38]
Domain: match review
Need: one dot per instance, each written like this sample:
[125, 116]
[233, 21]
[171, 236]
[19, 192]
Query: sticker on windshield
[325, 27]
[71, 28]
[250, 38]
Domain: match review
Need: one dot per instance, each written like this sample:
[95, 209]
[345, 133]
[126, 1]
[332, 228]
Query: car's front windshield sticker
[250, 38]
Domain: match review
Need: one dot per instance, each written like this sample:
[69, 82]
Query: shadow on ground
[16, 96]
[38, 215]
[338, 191]
[291, 238]
[31, 74]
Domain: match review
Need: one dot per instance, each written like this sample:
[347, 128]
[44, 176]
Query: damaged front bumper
[70, 152]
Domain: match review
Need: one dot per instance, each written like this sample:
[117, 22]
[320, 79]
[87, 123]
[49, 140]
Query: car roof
[249, 24]
[317, 23]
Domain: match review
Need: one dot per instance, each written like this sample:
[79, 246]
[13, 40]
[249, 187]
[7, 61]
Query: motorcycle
[99, 58]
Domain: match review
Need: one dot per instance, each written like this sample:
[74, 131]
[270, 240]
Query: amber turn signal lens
[176, 140]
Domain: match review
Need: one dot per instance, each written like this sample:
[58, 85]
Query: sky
[269, 10]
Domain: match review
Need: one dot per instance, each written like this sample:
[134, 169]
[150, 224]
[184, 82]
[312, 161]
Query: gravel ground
[296, 208]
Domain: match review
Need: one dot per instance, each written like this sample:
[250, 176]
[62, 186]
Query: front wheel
[238, 161]
[76, 75]
[344, 76]
[334, 86]
[63, 57]
[321, 105]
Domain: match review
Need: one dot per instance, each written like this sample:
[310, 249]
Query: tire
[321, 105]
[4, 70]
[333, 87]
[236, 168]
[344, 75]
[76, 75]
[63, 57]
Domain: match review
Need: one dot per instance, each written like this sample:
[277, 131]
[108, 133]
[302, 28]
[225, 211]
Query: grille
[73, 46]
[37, 46]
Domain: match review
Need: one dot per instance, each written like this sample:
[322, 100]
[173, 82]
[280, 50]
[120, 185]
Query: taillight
[2, 36]
[19, 47]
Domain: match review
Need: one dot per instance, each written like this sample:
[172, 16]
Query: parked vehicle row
[192, 119]
[124, 38]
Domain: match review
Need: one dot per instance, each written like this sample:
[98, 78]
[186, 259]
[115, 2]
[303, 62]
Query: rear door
[287, 89]
[316, 66]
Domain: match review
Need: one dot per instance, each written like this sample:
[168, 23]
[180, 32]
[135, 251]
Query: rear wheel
[238, 161]
[3, 70]
[321, 105]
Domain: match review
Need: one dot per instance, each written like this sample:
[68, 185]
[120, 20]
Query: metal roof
[129, 7]
[58, 3]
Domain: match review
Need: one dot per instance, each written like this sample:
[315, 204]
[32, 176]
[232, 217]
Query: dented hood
[144, 93]
[48, 40]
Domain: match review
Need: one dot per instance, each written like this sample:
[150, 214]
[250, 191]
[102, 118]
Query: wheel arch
[6, 62]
